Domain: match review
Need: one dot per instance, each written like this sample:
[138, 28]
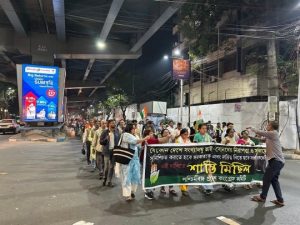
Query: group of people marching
[101, 137]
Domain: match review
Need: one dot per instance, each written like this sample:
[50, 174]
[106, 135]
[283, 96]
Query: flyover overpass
[65, 33]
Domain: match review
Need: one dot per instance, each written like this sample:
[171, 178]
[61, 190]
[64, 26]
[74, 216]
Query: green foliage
[118, 99]
[287, 75]
[7, 95]
[199, 25]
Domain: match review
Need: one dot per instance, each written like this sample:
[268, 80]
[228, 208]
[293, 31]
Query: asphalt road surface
[49, 184]
[4, 137]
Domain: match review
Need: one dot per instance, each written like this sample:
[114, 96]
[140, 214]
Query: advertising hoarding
[40, 90]
[181, 69]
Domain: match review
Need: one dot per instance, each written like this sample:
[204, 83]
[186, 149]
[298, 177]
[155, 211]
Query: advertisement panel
[181, 69]
[40, 93]
[197, 164]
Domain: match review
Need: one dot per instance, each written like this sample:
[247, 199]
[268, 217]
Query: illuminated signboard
[40, 93]
[181, 69]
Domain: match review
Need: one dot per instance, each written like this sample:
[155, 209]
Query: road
[4, 137]
[49, 184]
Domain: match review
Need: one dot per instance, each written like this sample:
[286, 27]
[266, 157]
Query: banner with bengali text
[196, 164]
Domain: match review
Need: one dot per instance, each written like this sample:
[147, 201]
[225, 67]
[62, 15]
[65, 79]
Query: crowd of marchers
[99, 139]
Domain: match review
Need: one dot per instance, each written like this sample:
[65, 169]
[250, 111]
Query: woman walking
[184, 139]
[130, 174]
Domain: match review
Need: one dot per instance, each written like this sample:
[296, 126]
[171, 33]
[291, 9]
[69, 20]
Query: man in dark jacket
[109, 139]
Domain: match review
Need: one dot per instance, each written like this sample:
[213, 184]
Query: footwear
[257, 198]
[227, 188]
[208, 192]
[149, 195]
[128, 199]
[104, 182]
[173, 192]
[163, 191]
[132, 195]
[185, 193]
[110, 184]
[278, 203]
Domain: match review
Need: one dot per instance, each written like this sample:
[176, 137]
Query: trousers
[109, 165]
[88, 151]
[271, 176]
[100, 162]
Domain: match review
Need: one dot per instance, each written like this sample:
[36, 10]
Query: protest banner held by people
[214, 168]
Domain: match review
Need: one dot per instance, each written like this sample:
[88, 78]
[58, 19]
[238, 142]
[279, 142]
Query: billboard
[40, 90]
[181, 69]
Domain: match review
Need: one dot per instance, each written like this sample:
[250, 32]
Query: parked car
[9, 125]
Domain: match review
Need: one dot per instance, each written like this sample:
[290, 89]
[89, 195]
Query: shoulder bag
[123, 155]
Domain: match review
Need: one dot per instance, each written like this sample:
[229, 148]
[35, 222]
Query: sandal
[163, 191]
[173, 192]
[185, 193]
[246, 187]
[128, 199]
[278, 203]
[257, 198]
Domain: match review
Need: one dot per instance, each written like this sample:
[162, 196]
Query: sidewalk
[40, 136]
[291, 154]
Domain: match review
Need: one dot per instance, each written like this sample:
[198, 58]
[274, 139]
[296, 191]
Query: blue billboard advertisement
[40, 93]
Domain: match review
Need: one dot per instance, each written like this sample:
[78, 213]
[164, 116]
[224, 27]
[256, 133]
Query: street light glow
[166, 57]
[177, 52]
[101, 44]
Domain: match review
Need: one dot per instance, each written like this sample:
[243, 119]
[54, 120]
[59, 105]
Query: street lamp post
[181, 100]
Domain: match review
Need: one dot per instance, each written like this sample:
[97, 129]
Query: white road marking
[82, 222]
[3, 173]
[227, 220]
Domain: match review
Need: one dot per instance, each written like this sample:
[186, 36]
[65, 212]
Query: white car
[9, 125]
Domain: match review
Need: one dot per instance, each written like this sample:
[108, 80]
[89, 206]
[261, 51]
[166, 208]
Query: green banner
[196, 164]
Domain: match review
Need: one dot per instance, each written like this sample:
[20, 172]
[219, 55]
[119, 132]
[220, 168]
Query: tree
[7, 96]
[118, 99]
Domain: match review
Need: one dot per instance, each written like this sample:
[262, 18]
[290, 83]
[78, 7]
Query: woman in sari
[130, 174]
[184, 139]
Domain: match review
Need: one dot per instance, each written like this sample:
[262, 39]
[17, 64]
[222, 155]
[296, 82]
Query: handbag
[123, 155]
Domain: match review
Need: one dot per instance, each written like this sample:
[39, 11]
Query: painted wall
[252, 114]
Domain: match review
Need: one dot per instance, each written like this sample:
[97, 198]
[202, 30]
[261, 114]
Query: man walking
[109, 139]
[98, 147]
[87, 139]
[275, 164]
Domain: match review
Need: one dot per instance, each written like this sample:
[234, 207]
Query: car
[9, 125]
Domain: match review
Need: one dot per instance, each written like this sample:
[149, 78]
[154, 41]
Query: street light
[177, 52]
[101, 44]
[166, 57]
